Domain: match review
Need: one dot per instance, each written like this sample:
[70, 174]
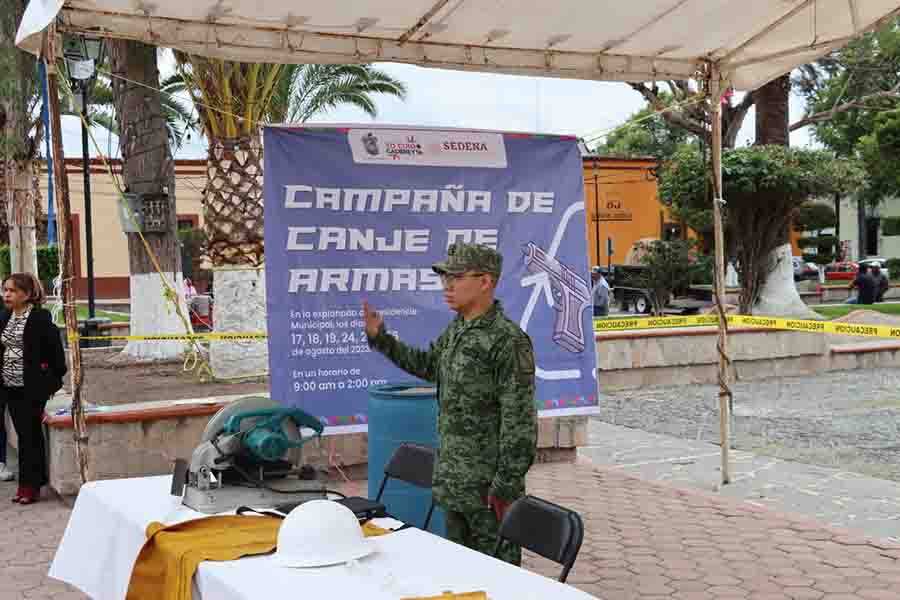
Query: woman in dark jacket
[32, 365]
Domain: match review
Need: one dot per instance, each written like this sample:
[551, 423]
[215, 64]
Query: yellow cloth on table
[166, 564]
[370, 529]
[169, 558]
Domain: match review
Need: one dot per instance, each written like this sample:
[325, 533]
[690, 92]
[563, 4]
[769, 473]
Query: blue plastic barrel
[398, 413]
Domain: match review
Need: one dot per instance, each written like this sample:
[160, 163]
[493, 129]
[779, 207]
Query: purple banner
[361, 213]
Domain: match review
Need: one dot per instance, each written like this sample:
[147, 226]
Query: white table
[106, 532]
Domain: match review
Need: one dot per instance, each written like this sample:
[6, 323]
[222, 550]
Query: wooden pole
[715, 98]
[66, 256]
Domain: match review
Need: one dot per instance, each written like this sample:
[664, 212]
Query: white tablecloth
[106, 532]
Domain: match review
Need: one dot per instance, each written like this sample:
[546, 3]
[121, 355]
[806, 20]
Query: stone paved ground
[846, 419]
[643, 540]
[832, 496]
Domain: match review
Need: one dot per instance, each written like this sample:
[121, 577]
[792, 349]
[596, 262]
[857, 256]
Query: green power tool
[250, 454]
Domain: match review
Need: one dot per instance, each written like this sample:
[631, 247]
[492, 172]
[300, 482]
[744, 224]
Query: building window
[185, 224]
[873, 226]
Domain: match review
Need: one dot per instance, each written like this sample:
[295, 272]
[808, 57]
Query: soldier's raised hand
[374, 321]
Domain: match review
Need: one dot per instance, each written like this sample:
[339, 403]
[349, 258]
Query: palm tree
[179, 115]
[232, 100]
[304, 91]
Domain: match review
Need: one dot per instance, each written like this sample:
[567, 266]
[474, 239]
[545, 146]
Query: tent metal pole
[715, 98]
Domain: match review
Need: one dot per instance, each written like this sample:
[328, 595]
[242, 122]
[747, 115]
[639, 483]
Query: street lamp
[82, 55]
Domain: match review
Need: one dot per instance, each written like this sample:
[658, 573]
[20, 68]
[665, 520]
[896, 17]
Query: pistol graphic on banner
[570, 292]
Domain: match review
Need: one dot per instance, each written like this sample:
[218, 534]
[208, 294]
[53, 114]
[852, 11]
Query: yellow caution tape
[600, 326]
[879, 331]
[174, 337]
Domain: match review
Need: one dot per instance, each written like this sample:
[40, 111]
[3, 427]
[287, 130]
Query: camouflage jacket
[484, 370]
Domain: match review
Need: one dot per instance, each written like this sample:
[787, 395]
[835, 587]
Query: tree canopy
[645, 134]
[763, 187]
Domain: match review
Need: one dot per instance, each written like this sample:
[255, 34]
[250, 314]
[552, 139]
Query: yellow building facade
[110, 243]
[622, 206]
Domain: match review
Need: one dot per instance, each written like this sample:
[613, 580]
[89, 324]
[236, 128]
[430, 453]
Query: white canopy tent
[752, 41]
[742, 43]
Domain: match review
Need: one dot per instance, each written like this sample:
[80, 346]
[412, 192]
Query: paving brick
[642, 541]
[878, 594]
[803, 593]
[721, 580]
[728, 591]
[834, 587]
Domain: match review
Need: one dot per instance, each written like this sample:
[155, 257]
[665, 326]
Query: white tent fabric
[753, 41]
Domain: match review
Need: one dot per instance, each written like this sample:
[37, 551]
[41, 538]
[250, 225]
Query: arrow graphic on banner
[541, 283]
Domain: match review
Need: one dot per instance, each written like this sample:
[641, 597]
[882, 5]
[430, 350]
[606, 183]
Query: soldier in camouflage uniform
[483, 366]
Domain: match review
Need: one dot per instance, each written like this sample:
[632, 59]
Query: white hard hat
[319, 533]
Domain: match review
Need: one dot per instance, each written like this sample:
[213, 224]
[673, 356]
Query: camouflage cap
[470, 257]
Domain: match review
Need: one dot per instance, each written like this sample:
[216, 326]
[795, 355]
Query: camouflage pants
[478, 530]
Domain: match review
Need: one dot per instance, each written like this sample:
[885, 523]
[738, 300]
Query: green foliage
[47, 258]
[754, 175]
[192, 243]
[864, 67]
[834, 312]
[18, 87]
[670, 266]
[890, 226]
[814, 216]
[860, 77]
[179, 116]
[48, 262]
[893, 267]
[825, 246]
[645, 135]
[817, 241]
[763, 188]
[304, 91]
[683, 188]
[880, 152]
[704, 267]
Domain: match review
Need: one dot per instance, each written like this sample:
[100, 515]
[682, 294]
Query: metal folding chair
[544, 528]
[413, 464]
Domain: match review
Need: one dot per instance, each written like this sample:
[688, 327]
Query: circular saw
[250, 455]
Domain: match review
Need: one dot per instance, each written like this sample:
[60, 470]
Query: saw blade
[250, 403]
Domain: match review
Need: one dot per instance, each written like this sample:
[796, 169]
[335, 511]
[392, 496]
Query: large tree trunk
[862, 235]
[778, 295]
[837, 227]
[21, 218]
[148, 168]
[40, 219]
[233, 219]
[17, 151]
[772, 108]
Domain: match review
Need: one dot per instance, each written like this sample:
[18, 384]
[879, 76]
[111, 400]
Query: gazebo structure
[721, 43]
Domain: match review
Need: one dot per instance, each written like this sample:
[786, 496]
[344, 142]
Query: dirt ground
[107, 382]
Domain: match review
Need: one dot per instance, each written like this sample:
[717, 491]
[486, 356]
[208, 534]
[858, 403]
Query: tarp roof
[753, 41]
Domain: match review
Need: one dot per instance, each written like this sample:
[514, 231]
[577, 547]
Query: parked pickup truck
[630, 295]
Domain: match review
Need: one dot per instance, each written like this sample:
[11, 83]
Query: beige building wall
[110, 243]
[888, 246]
